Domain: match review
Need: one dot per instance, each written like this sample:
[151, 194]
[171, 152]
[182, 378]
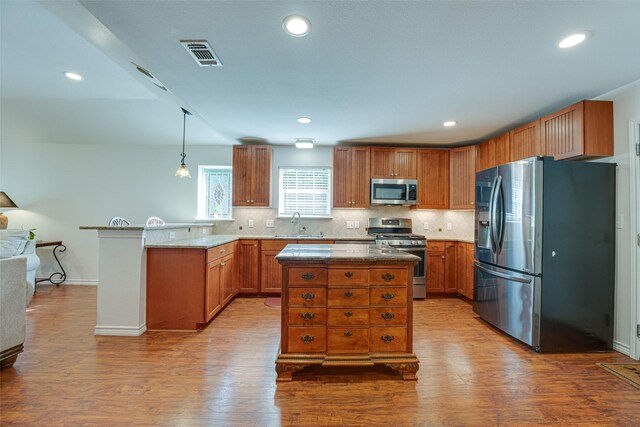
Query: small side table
[56, 278]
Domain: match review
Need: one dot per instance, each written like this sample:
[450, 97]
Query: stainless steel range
[397, 233]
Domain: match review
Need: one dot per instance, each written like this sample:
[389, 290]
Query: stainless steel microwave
[394, 191]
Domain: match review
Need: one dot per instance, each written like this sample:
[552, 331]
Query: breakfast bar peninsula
[346, 305]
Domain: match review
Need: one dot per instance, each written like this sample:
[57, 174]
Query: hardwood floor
[469, 375]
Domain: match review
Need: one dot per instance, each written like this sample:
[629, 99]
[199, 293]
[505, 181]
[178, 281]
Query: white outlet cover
[270, 223]
[204, 231]
[449, 226]
[251, 223]
[349, 224]
[425, 225]
[172, 234]
[356, 224]
[619, 221]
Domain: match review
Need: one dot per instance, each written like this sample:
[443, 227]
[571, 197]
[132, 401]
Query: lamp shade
[5, 201]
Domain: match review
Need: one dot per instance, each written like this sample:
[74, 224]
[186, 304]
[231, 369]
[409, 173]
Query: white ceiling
[375, 71]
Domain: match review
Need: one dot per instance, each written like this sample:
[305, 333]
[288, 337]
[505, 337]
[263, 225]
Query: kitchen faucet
[293, 220]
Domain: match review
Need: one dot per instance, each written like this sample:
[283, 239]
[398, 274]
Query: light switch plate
[349, 224]
[356, 224]
[270, 223]
[251, 223]
[172, 234]
[204, 231]
[449, 226]
[425, 225]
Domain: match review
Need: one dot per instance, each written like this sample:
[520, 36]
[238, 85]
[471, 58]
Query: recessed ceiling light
[304, 143]
[304, 120]
[72, 76]
[296, 25]
[450, 123]
[573, 40]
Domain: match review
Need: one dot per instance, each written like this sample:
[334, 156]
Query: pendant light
[183, 170]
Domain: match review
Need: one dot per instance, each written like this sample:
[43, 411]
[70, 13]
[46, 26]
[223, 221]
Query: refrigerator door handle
[503, 275]
[492, 215]
[499, 201]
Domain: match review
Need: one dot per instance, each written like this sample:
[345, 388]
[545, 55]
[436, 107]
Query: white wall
[626, 102]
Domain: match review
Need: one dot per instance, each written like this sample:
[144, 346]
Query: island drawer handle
[388, 316]
[307, 338]
[308, 276]
[348, 275]
[308, 296]
[387, 338]
[222, 251]
[348, 333]
[348, 294]
[307, 316]
[388, 296]
[388, 276]
[348, 313]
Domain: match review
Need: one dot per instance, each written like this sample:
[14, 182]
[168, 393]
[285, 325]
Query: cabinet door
[433, 179]
[261, 175]
[343, 177]
[463, 177]
[435, 272]
[405, 163]
[241, 175]
[562, 132]
[270, 272]
[247, 266]
[451, 267]
[360, 174]
[525, 142]
[212, 290]
[501, 150]
[469, 260]
[382, 162]
[227, 278]
[486, 153]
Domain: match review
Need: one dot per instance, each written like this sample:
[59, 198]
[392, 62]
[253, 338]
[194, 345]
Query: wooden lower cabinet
[450, 268]
[212, 293]
[346, 315]
[248, 266]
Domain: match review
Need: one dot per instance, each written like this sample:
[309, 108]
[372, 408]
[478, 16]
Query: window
[306, 190]
[214, 192]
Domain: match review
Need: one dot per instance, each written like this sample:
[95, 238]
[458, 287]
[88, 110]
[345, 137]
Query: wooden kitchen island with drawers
[346, 305]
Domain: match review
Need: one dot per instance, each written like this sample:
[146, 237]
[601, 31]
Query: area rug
[630, 372]
[273, 302]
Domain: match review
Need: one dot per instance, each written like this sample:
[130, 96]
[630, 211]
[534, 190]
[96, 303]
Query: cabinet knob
[387, 338]
[307, 316]
[348, 333]
[387, 316]
[348, 294]
[222, 264]
[348, 313]
[251, 201]
[348, 275]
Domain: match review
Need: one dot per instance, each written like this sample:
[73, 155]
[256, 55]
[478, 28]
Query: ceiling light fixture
[72, 76]
[296, 25]
[573, 40]
[304, 143]
[450, 123]
[304, 120]
[183, 170]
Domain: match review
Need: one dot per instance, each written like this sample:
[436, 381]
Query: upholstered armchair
[14, 294]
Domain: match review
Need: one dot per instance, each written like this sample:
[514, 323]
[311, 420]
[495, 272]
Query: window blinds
[306, 190]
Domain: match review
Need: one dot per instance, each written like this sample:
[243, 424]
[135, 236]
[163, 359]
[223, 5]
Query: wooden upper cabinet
[462, 189]
[251, 175]
[493, 153]
[351, 177]
[393, 163]
[526, 142]
[433, 179]
[582, 130]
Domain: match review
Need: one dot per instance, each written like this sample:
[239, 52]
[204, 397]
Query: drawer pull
[348, 333]
[308, 276]
[387, 338]
[222, 251]
[348, 313]
[388, 316]
[307, 338]
[348, 294]
[388, 296]
[388, 277]
[308, 296]
[348, 275]
[307, 316]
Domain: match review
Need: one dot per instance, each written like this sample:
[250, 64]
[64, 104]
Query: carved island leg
[285, 371]
[407, 370]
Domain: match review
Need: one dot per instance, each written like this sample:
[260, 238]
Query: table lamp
[5, 202]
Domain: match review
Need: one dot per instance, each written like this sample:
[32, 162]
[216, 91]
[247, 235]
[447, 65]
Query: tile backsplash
[462, 225]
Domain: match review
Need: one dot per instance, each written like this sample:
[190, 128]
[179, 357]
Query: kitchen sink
[301, 236]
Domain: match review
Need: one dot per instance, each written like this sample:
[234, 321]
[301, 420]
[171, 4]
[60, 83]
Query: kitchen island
[346, 305]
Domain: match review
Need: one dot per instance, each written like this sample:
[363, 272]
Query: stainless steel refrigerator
[545, 252]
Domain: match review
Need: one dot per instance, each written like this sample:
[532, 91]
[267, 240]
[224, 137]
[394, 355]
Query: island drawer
[307, 276]
[307, 316]
[388, 316]
[348, 316]
[387, 339]
[307, 340]
[388, 276]
[307, 297]
[388, 296]
[347, 341]
[219, 251]
[348, 276]
[348, 297]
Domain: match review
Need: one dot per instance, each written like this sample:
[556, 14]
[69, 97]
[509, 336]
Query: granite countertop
[451, 240]
[214, 240]
[346, 252]
[144, 227]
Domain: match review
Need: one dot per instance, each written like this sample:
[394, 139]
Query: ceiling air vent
[202, 53]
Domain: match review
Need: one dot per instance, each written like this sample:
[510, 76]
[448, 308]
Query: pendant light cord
[184, 129]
